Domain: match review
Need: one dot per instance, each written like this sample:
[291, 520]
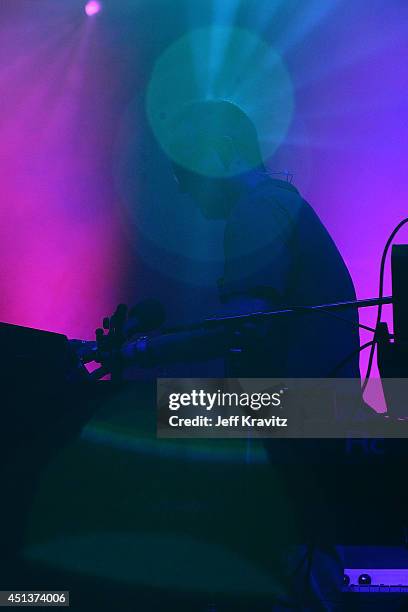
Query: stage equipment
[35, 356]
[392, 350]
[376, 576]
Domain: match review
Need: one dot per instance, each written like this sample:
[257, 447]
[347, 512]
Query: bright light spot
[93, 8]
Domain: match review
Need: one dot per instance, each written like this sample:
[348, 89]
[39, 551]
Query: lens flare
[219, 64]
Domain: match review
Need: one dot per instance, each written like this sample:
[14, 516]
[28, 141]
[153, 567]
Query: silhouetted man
[277, 253]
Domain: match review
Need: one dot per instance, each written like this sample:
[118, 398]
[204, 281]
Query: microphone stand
[299, 309]
[108, 346]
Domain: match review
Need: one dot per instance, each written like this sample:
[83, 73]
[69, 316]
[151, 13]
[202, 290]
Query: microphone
[146, 316]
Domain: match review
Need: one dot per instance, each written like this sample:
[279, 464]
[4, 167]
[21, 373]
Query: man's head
[212, 144]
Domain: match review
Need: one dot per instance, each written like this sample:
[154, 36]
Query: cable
[332, 314]
[380, 296]
[355, 323]
[350, 356]
[342, 363]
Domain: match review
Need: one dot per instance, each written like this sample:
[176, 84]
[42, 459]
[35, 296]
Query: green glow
[175, 561]
[179, 514]
[240, 451]
[219, 63]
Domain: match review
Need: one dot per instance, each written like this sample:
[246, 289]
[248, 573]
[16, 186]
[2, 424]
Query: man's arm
[207, 342]
[257, 263]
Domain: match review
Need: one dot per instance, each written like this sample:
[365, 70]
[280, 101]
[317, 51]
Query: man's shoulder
[271, 206]
[258, 239]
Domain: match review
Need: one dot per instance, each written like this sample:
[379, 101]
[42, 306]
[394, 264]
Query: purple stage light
[93, 7]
